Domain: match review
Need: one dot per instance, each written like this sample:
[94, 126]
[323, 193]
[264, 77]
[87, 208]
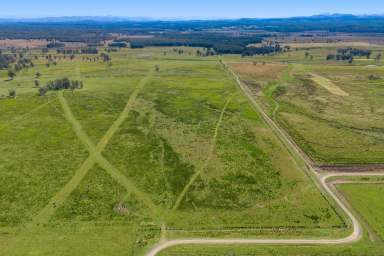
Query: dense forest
[221, 43]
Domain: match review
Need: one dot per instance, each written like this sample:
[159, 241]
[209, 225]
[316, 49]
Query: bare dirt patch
[120, 208]
[270, 70]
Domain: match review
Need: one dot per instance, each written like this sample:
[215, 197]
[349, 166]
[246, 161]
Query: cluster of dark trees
[347, 54]
[206, 52]
[68, 51]
[90, 50]
[105, 57]
[355, 52]
[6, 60]
[60, 84]
[55, 44]
[267, 48]
[23, 63]
[118, 44]
[87, 50]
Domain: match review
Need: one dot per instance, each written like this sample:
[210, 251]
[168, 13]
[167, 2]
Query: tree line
[348, 54]
[221, 43]
[265, 49]
[60, 84]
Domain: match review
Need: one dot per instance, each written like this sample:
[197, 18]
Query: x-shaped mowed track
[96, 157]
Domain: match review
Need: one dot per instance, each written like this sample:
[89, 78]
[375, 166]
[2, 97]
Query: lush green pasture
[179, 148]
[343, 126]
[369, 204]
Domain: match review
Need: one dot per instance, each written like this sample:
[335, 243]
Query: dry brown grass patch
[267, 70]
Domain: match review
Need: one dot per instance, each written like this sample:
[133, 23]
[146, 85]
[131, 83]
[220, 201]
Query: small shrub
[12, 93]
[279, 91]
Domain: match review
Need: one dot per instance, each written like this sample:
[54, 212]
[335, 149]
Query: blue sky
[187, 8]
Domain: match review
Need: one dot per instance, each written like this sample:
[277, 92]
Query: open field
[139, 151]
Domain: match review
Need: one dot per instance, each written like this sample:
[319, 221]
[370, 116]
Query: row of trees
[86, 50]
[348, 54]
[266, 48]
[118, 44]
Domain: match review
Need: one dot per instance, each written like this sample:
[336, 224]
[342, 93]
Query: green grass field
[366, 199]
[100, 170]
[369, 204]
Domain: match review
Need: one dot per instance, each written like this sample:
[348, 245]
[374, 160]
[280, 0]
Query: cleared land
[100, 170]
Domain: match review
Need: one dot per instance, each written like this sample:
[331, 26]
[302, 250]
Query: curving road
[320, 179]
[323, 178]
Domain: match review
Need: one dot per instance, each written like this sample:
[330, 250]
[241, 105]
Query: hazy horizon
[180, 18]
[198, 9]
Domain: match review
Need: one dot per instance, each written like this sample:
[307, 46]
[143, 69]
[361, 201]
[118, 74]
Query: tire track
[94, 157]
[207, 160]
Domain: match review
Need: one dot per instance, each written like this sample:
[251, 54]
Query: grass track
[206, 162]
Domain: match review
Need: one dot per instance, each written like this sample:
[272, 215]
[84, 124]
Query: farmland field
[333, 110]
[157, 144]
